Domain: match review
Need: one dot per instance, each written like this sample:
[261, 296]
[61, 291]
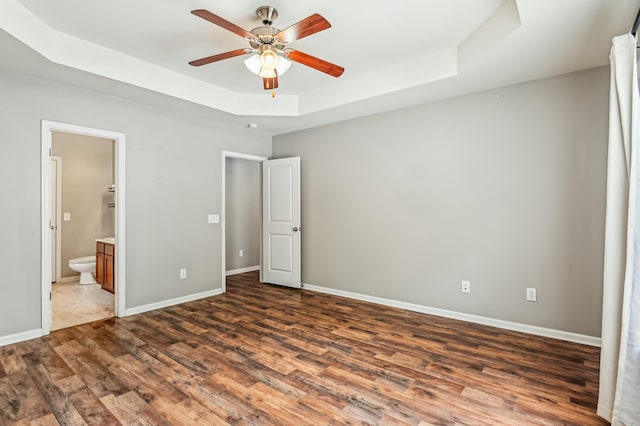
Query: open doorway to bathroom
[83, 226]
[83, 197]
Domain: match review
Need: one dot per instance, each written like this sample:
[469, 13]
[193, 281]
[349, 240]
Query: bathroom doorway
[87, 201]
[84, 190]
[241, 213]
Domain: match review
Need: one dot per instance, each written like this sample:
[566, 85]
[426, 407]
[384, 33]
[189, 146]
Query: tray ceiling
[395, 54]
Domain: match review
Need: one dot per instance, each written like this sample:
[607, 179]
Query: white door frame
[239, 156]
[45, 189]
[58, 224]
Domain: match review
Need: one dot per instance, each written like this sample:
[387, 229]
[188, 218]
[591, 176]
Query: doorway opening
[241, 214]
[80, 293]
[81, 212]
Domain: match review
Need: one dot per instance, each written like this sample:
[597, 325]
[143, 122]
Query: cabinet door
[108, 273]
[100, 268]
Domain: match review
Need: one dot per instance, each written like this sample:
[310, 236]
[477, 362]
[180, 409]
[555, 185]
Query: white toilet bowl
[86, 266]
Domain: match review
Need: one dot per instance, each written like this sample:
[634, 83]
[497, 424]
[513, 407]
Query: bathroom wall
[243, 206]
[87, 173]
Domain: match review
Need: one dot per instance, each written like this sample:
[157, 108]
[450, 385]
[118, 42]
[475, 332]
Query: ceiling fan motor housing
[266, 35]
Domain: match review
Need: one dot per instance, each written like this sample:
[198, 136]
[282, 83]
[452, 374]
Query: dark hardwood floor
[263, 354]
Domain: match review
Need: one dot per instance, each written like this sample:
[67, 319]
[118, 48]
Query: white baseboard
[508, 325]
[243, 270]
[69, 279]
[171, 302]
[20, 337]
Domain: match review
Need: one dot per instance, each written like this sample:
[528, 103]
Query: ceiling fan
[270, 56]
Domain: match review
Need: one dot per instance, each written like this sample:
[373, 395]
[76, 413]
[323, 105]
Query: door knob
[295, 229]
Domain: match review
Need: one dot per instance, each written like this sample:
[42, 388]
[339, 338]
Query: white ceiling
[396, 54]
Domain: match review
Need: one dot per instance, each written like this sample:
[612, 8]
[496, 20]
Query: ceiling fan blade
[221, 22]
[270, 83]
[308, 26]
[315, 63]
[219, 57]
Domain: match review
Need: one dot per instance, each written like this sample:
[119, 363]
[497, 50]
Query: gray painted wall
[173, 180]
[87, 173]
[504, 188]
[243, 204]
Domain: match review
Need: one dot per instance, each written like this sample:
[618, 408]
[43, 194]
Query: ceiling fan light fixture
[268, 73]
[283, 65]
[269, 59]
[254, 65]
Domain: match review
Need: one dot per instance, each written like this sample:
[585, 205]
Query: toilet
[86, 266]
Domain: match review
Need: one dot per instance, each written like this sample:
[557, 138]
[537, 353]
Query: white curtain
[619, 396]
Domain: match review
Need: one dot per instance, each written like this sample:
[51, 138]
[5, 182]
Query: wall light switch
[213, 218]
[532, 295]
[241, 253]
[183, 274]
[67, 217]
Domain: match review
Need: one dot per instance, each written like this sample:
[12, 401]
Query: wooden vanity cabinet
[100, 263]
[105, 266]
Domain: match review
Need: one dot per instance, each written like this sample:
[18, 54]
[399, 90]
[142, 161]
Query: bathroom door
[54, 225]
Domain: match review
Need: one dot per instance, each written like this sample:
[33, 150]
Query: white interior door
[281, 227]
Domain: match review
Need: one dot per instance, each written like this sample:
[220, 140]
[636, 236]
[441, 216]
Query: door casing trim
[47, 127]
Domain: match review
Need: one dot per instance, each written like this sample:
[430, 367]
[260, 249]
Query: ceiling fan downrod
[267, 14]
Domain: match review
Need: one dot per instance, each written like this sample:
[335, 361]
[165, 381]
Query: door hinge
[49, 152]
[50, 298]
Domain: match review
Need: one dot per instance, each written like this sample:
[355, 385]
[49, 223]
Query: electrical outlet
[532, 295]
[241, 253]
[183, 273]
[466, 286]
[66, 217]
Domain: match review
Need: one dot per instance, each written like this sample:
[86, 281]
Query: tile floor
[75, 303]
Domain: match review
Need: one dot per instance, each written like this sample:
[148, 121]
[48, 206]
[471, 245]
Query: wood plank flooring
[263, 354]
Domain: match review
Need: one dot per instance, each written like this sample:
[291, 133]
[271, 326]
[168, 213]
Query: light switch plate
[67, 217]
[213, 218]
